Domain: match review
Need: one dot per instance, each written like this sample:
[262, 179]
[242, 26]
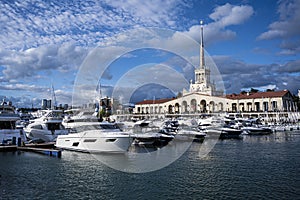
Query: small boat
[95, 137]
[47, 127]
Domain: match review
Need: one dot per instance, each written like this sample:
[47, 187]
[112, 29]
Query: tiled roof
[154, 101]
[257, 95]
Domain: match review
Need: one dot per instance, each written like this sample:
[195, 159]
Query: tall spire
[202, 63]
[53, 98]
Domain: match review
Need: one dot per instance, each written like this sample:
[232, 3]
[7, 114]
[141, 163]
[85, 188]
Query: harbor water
[254, 167]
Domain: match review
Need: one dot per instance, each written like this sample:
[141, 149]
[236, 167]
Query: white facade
[193, 103]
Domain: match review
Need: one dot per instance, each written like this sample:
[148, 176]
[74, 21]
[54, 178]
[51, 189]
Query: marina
[150, 100]
[84, 131]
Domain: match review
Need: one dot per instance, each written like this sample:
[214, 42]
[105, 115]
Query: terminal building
[203, 97]
[193, 103]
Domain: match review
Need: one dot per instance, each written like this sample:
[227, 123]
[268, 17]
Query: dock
[8, 148]
[48, 152]
[43, 148]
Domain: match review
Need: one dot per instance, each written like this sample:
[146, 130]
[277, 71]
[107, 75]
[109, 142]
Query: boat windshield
[95, 127]
[108, 126]
[55, 126]
[54, 114]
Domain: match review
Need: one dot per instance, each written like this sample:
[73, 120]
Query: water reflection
[277, 137]
[140, 160]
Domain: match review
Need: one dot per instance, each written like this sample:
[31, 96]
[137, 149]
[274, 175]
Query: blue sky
[253, 43]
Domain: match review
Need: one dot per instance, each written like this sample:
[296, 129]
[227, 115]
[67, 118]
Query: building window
[274, 106]
[257, 106]
[265, 106]
[234, 107]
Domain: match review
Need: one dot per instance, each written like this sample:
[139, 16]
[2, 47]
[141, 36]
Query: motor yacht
[8, 119]
[147, 133]
[219, 126]
[95, 137]
[47, 127]
[255, 127]
[256, 130]
[183, 130]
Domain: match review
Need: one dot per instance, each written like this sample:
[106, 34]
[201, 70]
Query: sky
[254, 44]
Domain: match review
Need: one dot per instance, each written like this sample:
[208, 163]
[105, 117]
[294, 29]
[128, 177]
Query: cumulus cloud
[238, 75]
[286, 27]
[228, 14]
[28, 63]
[222, 16]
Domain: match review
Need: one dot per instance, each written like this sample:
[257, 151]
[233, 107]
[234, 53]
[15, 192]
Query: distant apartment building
[46, 104]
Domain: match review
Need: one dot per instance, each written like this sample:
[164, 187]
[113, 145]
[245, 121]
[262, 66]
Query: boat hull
[257, 131]
[227, 133]
[91, 143]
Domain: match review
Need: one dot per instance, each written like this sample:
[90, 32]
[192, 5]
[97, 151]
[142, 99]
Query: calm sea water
[255, 167]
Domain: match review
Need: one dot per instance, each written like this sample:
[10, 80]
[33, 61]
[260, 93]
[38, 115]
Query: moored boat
[9, 133]
[252, 130]
[47, 127]
[95, 138]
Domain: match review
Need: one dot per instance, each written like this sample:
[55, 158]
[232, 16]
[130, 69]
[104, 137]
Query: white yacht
[147, 133]
[255, 127]
[218, 126]
[256, 130]
[183, 130]
[95, 137]
[8, 119]
[47, 127]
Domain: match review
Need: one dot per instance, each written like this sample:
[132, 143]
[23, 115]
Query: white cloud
[26, 87]
[27, 24]
[237, 75]
[222, 16]
[286, 27]
[21, 64]
[153, 13]
[228, 14]
[288, 23]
